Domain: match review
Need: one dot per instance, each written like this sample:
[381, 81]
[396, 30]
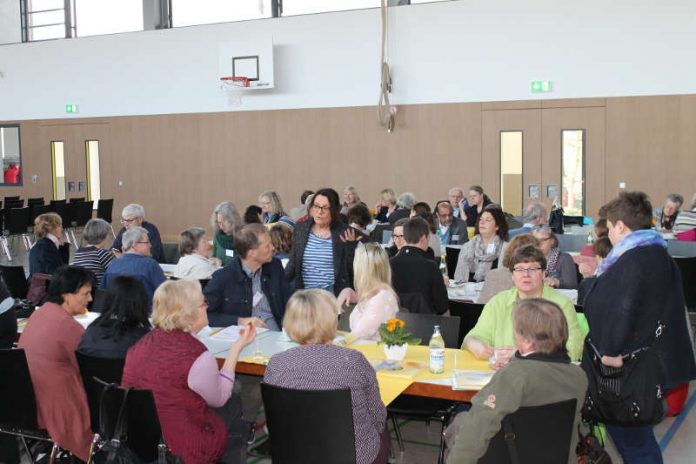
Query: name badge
[455, 238]
[229, 253]
[257, 299]
[490, 248]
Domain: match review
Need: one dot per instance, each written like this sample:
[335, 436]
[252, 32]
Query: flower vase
[395, 353]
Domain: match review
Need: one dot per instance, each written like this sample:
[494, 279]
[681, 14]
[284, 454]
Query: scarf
[552, 260]
[639, 238]
[483, 260]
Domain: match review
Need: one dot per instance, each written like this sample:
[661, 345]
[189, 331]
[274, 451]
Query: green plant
[393, 332]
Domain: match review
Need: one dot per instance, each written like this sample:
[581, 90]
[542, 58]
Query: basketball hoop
[235, 81]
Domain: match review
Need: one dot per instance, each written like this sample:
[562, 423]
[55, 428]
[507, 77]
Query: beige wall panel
[574, 103]
[593, 120]
[651, 145]
[511, 105]
[527, 121]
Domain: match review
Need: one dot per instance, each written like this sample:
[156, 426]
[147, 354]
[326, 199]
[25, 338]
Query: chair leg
[26, 447]
[54, 453]
[397, 432]
[5, 247]
[441, 454]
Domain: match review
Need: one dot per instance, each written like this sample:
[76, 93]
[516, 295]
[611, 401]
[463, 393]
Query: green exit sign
[541, 86]
[72, 108]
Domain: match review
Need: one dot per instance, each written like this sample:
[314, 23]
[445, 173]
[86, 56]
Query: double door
[533, 152]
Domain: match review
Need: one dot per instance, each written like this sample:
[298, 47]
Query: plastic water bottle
[437, 352]
[443, 265]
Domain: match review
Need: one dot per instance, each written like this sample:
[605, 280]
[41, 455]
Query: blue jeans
[637, 445]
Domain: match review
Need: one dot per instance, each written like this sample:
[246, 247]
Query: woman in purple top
[317, 364]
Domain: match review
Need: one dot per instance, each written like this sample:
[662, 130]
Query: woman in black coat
[49, 252]
[638, 284]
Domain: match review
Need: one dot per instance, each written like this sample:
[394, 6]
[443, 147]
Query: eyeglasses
[528, 271]
[149, 242]
[127, 221]
[397, 236]
[321, 209]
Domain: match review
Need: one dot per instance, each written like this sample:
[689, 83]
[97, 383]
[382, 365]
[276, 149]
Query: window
[300, 7]
[93, 178]
[511, 171]
[47, 19]
[191, 12]
[58, 169]
[95, 17]
[573, 171]
[10, 154]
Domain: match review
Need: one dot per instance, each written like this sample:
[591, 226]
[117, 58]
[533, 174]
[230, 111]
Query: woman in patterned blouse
[318, 364]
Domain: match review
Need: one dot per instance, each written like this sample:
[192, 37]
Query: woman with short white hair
[133, 215]
[377, 301]
[318, 364]
[94, 253]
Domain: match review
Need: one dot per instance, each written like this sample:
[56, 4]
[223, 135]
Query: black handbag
[632, 395]
[116, 450]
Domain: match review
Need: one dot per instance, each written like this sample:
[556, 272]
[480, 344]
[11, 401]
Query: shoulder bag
[631, 395]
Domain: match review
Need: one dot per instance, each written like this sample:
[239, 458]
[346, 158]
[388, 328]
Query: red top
[160, 362]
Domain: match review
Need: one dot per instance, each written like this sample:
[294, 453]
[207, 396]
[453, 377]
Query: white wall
[467, 50]
[10, 25]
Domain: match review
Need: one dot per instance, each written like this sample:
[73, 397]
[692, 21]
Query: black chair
[83, 213]
[170, 253]
[418, 408]
[104, 369]
[104, 209]
[144, 430]
[451, 258]
[16, 280]
[35, 201]
[38, 210]
[54, 203]
[18, 402]
[17, 203]
[11, 199]
[468, 314]
[540, 434]
[687, 269]
[76, 200]
[17, 225]
[303, 432]
[378, 233]
[573, 220]
[68, 215]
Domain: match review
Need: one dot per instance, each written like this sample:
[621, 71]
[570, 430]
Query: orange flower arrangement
[393, 332]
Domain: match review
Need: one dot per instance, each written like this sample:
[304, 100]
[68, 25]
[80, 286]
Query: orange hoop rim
[234, 79]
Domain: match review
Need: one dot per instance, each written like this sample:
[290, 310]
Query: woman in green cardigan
[226, 221]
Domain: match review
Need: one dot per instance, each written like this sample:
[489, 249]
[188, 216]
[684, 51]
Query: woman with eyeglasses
[323, 248]
[485, 250]
[493, 332]
[560, 268]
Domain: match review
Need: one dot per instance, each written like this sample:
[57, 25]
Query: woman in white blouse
[196, 252]
[377, 301]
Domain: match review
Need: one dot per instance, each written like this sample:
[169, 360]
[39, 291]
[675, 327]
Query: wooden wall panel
[180, 166]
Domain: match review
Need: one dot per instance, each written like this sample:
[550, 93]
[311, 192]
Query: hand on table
[255, 321]
[478, 348]
[501, 356]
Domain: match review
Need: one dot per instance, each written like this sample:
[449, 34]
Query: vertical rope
[384, 116]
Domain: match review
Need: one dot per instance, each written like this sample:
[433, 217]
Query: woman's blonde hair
[388, 195]
[372, 270]
[311, 317]
[518, 241]
[46, 223]
[276, 206]
[176, 304]
[354, 191]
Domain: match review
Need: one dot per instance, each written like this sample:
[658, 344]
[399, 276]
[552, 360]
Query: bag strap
[510, 441]
[121, 430]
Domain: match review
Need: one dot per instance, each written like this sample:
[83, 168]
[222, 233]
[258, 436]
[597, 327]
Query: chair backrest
[468, 313]
[37, 210]
[309, 426]
[76, 200]
[571, 242]
[14, 203]
[53, 203]
[104, 209]
[378, 233]
[17, 220]
[687, 269]
[67, 213]
[421, 326]
[17, 400]
[144, 430]
[104, 369]
[11, 199]
[451, 258]
[170, 253]
[98, 297]
[15, 279]
[35, 201]
[83, 212]
[542, 435]
[679, 249]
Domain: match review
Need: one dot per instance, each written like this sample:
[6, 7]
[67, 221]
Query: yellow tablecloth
[392, 383]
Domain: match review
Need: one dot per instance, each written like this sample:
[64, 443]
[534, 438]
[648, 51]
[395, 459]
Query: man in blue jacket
[252, 287]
